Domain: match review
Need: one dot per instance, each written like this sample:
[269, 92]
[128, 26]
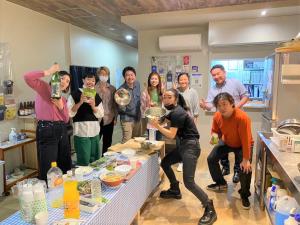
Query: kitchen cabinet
[20, 145]
[270, 162]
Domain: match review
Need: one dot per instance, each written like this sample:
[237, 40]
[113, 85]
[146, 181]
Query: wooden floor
[188, 210]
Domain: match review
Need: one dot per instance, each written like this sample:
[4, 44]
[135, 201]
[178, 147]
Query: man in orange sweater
[233, 127]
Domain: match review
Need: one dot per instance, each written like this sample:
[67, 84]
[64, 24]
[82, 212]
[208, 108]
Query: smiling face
[64, 82]
[218, 75]
[169, 98]
[130, 77]
[225, 108]
[154, 80]
[183, 82]
[89, 82]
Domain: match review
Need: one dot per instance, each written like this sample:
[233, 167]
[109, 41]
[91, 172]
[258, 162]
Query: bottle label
[55, 90]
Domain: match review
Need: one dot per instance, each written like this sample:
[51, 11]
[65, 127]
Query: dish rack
[286, 142]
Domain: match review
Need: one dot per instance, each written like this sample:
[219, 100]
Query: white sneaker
[179, 168]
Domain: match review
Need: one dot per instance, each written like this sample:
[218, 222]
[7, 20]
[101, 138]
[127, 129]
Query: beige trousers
[130, 130]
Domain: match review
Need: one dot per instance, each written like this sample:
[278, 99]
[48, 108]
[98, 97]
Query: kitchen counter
[285, 164]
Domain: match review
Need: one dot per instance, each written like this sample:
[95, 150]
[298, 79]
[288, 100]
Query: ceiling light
[128, 37]
[263, 13]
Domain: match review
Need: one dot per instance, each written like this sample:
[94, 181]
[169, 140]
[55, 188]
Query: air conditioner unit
[187, 42]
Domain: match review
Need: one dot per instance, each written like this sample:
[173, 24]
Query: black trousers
[187, 152]
[52, 146]
[226, 164]
[107, 132]
[215, 171]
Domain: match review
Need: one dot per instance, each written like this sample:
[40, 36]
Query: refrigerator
[282, 100]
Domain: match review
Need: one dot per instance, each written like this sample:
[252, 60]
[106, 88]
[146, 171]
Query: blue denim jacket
[131, 112]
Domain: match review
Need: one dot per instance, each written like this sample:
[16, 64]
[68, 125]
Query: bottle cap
[297, 217]
[53, 164]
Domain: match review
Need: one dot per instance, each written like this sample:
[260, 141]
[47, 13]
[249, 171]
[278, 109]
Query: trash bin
[1, 178]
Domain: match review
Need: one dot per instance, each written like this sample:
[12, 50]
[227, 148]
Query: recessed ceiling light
[128, 37]
[112, 28]
[263, 13]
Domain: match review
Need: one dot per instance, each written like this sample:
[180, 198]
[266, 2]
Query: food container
[123, 169]
[11, 112]
[112, 179]
[2, 112]
[1, 99]
[122, 97]
[128, 152]
[286, 142]
[156, 112]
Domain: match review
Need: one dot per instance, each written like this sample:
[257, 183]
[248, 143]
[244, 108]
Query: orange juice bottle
[71, 199]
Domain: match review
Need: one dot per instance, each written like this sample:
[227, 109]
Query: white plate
[68, 222]
[123, 169]
[139, 139]
[128, 152]
[110, 153]
[84, 170]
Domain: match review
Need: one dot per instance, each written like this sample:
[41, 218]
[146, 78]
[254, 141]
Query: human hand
[174, 85]
[58, 103]
[153, 121]
[82, 99]
[54, 68]
[214, 139]
[245, 166]
[91, 102]
[203, 104]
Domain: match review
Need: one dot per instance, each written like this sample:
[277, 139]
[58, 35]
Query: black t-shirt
[184, 122]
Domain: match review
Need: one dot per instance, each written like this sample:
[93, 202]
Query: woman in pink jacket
[52, 116]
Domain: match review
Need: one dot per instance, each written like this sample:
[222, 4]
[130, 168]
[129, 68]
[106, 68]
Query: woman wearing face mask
[188, 151]
[106, 92]
[151, 97]
[191, 98]
[52, 115]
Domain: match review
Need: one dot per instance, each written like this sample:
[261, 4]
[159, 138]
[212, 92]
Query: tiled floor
[188, 210]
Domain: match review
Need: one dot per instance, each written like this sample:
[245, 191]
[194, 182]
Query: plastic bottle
[272, 197]
[96, 190]
[55, 86]
[71, 198]
[54, 176]
[291, 220]
[12, 136]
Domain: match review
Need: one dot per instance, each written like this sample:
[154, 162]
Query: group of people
[96, 117]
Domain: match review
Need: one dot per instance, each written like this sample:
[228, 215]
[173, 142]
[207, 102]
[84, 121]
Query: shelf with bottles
[26, 109]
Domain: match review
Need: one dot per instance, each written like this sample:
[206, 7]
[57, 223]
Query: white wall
[36, 41]
[253, 31]
[148, 46]
[89, 49]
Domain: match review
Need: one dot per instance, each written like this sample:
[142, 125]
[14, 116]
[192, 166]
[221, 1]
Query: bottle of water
[272, 197]
[54, 176]
[96, 190]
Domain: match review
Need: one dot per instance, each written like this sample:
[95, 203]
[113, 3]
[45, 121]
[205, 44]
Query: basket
[286, 142]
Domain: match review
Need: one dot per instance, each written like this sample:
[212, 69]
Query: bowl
[139, 139]
[123, 169]
[122, 97]
[112, 179]
[156, 112]
[128, 152]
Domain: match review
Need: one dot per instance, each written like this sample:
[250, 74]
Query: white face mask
[103, 78]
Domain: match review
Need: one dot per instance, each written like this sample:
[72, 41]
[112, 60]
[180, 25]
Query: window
[249, 72]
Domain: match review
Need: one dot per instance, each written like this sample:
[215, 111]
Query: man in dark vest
[85, 107]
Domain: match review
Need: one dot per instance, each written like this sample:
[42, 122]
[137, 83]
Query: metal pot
[122, 97]
[156, 112]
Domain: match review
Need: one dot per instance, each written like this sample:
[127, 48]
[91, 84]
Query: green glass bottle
[55, 86]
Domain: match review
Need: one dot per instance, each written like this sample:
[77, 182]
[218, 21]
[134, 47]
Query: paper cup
[41, 218]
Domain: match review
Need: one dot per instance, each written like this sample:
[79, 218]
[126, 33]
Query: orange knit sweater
[235, 131]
